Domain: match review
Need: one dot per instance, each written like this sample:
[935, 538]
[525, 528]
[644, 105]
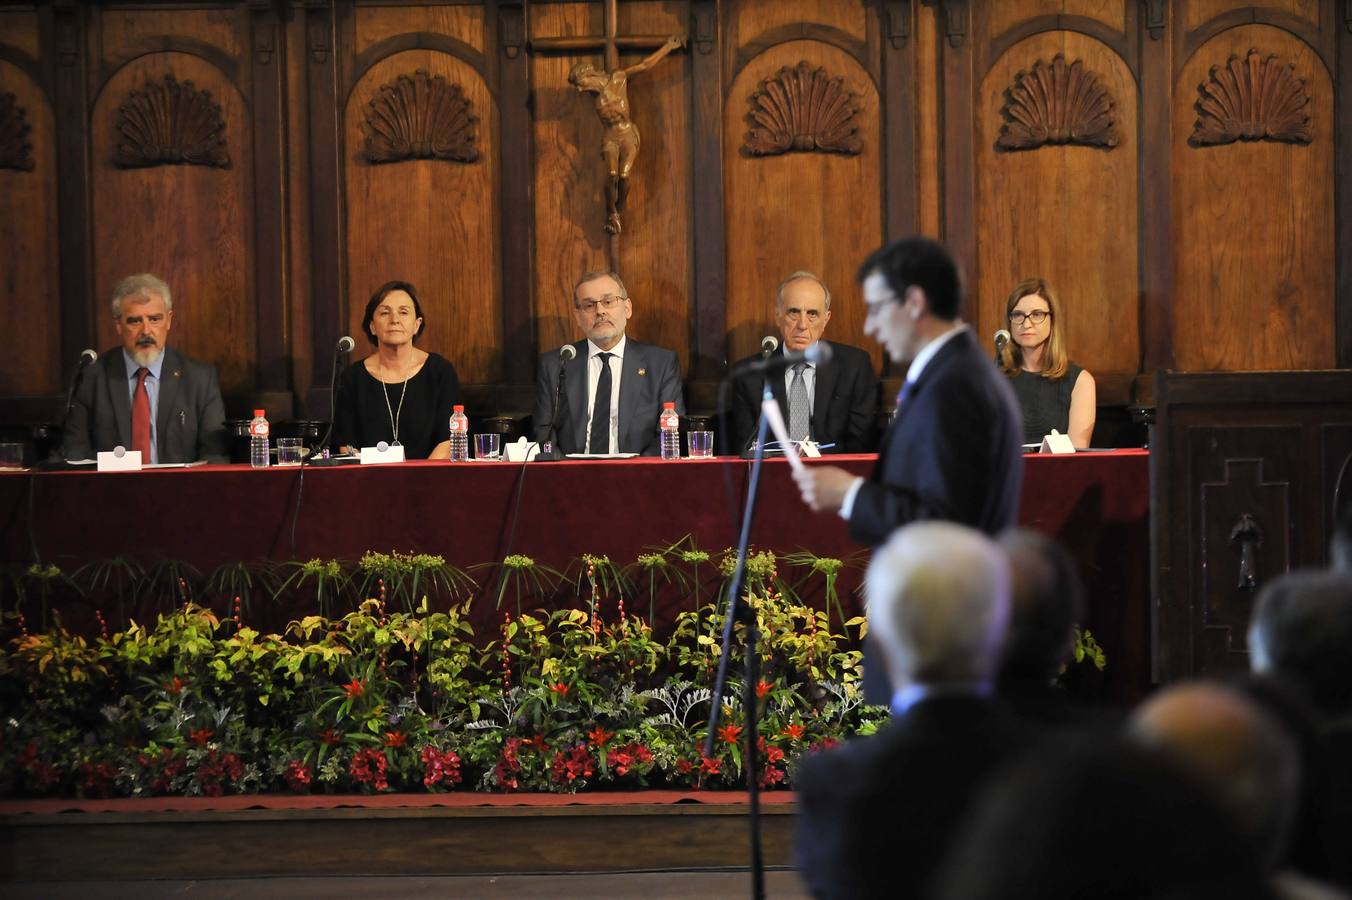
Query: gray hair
[804, 275]
[938, 600]
[142, 286]
[600, 273]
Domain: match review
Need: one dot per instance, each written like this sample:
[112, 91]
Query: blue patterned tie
[799, 416]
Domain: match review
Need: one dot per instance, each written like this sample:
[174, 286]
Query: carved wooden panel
[1057, 103]
[802, 108]
[15, 150]
[1254, 224]
[188, 224]
[1257, 98]
[166, 122]
[420, 116]
[1012, 13]
[373, 24]
[427, 222]
[1193, 13]
[1067, 213]
[819, 212]
[29, 267]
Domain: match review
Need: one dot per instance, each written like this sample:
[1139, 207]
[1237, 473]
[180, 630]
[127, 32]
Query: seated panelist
[614, 386]
[1053, 392]
[399, 394]
[145, 395]
[835, 404]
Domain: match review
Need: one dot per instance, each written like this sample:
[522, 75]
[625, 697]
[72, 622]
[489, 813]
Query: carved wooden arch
[822, 34]
[16, 152]
[227, 65]
[170, 122]
[417, 40]
[802, 108]
[1116, 41]
[419, 116]
[1057, 103]
[1301, 29]
[1257, 98]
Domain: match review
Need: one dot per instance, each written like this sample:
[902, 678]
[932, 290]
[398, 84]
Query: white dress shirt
[593, 376]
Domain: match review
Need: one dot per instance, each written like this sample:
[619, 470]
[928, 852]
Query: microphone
[345, 344]
[769, 344]
[567, 352]
[87, 357]
[1002, 337]
[818, 353]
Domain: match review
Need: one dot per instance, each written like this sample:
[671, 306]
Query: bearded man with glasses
[614, 386]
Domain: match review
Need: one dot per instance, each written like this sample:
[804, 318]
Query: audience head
[602, 307]
[393, 315]
[911, 286]
[802, 309]
[1047, 600]
[1237, 750]
[1302, 630]
[938, 603]
[1099, 818]
[143, 313]
[1030, 301]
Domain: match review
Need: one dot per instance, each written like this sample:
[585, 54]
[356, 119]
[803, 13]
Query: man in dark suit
[876, 815]
[953, 450]
[835, 404]
[614, 387]
[143, 395]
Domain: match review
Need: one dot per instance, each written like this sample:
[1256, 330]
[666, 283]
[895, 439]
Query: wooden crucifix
[620, 141]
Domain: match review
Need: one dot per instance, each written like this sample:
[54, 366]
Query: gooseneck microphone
[818, 353]
[1002, 337]
[566, 355]
[87, 357]
[344, 345]
[769, 344]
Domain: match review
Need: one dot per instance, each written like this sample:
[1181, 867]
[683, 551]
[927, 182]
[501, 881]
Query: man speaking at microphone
[143, 395]
[613, 386]
[834, 404]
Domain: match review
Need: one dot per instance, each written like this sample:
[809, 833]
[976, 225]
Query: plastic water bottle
[459, 435]
[258, 440]
[670, 425]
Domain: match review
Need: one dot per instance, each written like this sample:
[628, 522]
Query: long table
[1097, 504]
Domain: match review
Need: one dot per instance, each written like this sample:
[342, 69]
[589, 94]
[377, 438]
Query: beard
[146, 354]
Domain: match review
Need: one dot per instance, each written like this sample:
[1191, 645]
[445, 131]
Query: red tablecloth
[1096, 503]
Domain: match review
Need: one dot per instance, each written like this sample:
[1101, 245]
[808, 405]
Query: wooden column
[515, 163]
[956, 157]
[709, 337]
[327, 281]
[70, 100]
[1342, 198]
[1157, 44]
[898, 110]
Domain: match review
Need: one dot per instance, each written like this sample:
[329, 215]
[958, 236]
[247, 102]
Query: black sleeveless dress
[1045, 404]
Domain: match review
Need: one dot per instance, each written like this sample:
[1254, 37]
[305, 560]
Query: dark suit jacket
[876, 815]
[844, 402]
[650, 376]
[189, 422]
[953, 452]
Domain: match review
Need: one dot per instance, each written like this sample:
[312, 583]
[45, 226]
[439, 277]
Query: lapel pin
[643, 371]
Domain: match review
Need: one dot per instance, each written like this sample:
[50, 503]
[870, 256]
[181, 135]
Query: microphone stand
[739, 612]
[552, 432]
[328, 432]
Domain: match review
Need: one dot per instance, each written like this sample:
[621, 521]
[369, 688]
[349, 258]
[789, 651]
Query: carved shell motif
[1252, 99]
[1057, 104]
[420, 117]
[15, 151]
[802, 109]
[168, 123]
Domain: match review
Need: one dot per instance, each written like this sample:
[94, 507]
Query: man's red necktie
[140, 416]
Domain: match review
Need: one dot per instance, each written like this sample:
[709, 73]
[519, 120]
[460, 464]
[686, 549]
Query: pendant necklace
[395, 415]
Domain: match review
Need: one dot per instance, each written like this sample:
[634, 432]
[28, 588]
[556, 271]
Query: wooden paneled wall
[1170, 247]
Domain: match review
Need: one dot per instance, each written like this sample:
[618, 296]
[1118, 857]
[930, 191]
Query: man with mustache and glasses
[614, 387]
[143, 395]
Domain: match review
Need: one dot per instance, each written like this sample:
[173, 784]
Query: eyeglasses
[1037, 316]
[607, 303]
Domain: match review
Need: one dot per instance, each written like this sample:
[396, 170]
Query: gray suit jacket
[189, 423]
[650, 376]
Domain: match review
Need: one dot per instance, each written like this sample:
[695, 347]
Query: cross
[620, 142]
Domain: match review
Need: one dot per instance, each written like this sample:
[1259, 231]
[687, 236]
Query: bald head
[1231, 745]
[938, 601]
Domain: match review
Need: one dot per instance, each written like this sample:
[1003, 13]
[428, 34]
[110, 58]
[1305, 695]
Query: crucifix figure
[619, 144]
[610, 84]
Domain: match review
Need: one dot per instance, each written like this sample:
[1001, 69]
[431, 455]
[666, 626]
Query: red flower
[368, 766]
[395, 739]
[771, 776]
[793, 732]
[763, 689]
[176, 686]
[440, 766]
[329, 736]
[620, 760]
[568, 767]
[298, 776]
[825, 743]
[599, 736]
[710, 766]
[537, 743]
[729, 734]
[200, 737]
[560, 689]
[684, 766]
[354, 688]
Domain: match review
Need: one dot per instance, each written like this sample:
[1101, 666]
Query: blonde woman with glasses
[1053, 392]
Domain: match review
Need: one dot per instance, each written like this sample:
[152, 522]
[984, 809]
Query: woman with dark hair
[399, 394]
[1053, 392]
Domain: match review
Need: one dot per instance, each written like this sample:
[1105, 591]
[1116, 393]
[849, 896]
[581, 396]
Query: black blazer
[844, 402]
[189, 421]
[953, 452]
[875, 816]
[649, 377]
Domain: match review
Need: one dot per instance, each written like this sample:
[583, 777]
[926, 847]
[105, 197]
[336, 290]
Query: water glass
[488, 445]
[700, 444]
[11, 456]
[289, 451]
